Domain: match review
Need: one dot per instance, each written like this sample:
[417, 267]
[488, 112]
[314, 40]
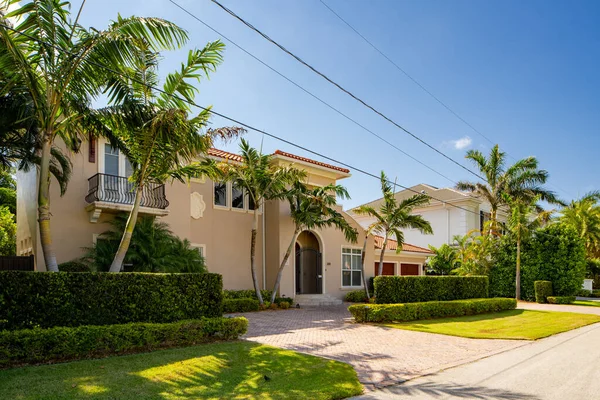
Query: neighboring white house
[447, 214]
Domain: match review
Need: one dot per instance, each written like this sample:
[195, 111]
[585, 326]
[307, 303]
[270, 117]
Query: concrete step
[316, 300]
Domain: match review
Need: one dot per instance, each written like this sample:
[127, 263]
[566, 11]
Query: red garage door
[409, 269]
[388, 268]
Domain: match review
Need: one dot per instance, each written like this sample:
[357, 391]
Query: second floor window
[237, 197]
[111, 160]
[221, 194]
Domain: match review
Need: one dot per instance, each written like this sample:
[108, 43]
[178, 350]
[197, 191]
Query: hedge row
[542, 289]
[356, 296]
[240, 305]
[587, 293]
[561, 299]
[428, 310]
[41, 299]
[247, 294]
[413, 289]
[34, 346]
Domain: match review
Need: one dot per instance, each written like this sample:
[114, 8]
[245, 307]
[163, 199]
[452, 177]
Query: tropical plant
[392, 216]
[154, 128]
[8, 189]
[522, 180]
[444, 261]
[583, 215]
[475, 252]
[8, 232]
[522, 220]
[314, 209]
[60, 66]
[153, 248]
[261, 179]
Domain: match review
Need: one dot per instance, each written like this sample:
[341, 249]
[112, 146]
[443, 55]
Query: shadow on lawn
[207, 371]
[445, 390]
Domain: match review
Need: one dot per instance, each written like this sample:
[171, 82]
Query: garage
[388, 268]
[409, 269]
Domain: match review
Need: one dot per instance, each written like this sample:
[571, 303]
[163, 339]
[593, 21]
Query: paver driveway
[381, 356]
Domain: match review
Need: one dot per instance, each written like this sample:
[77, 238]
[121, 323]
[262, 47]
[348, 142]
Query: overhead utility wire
[250, 127]
[312, 94]
[443, 104]
[322, 75]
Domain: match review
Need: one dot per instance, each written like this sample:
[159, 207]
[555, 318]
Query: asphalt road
[562, 367]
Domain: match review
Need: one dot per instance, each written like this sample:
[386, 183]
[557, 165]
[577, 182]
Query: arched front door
[309, 266]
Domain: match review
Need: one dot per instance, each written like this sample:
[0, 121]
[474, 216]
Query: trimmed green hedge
[247, 294]
[356, 296]
[289, 300]
[33, 346]
[74, 266]
[588, 293]
[543, 289]
[240, 305]
[413, 289]
[48, 299]
[561, 299]
[428, 310]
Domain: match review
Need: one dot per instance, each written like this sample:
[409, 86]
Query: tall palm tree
[584, 216]
[59, 64]
[314, 209]
[522, 180]
[393, 216]
[155, 129]
[261, 179]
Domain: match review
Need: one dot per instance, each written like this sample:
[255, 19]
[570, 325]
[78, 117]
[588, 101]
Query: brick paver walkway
[381, 356]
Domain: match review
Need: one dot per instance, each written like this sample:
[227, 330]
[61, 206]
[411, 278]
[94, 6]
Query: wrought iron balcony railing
[118, 189]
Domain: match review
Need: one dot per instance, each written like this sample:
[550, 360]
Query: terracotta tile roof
[225, 155]
[235, 157]
[393, 245]
[308, 160]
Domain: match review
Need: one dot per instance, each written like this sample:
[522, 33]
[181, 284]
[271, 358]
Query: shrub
[543, 289]
[413, 289]
[428, 310]
[240, 305]
[561, 299]
[356, 296]
[273, 306]
[45, 299]
[584, 293]
[74, 266]
[30, 346]
[554, 253]
[284, 305]
[247, 294]
[280, 300]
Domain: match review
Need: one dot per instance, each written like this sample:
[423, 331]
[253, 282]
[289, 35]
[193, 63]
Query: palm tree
[393, 216]
[261, 179]
[61, 66]
[444, 261]
[522, 180]
[523, 219]
[314, 209]
[584, 216]
[154, 128]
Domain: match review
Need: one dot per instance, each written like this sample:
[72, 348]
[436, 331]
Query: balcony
[110, 193]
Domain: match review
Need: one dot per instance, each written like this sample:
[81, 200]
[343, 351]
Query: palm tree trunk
[117, 263]
[380, 269]
[518, 279]
[362, 266]
[253, 256]
[283, 262]
[44, 205]
[493, 219]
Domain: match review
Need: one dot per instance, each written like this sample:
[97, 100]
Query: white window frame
[200, 246]
[228, 206]
[244, 200]
[101, 163]
[342, 268]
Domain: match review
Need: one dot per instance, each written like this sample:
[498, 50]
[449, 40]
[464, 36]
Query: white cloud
[462, 143]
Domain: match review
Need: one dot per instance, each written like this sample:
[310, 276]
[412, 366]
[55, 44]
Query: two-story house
[450, 212]
[215, 217]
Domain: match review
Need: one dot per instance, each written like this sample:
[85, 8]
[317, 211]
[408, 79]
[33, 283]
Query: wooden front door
[409, 269]
[388, 268]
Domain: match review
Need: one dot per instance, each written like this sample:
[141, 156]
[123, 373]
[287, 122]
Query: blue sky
[525, 74]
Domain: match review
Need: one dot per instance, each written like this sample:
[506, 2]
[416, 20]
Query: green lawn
[586, 303]
[512, 324]
[234, 370]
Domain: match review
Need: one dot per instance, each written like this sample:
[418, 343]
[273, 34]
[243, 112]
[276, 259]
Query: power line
[437, 99]
[312, 94]
[247, 126]
[322, 75]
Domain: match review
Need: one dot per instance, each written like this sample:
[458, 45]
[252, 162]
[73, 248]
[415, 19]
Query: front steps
[316, 300]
